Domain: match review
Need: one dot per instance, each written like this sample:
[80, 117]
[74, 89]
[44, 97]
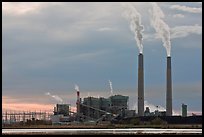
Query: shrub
[135, 121]
[158, 121]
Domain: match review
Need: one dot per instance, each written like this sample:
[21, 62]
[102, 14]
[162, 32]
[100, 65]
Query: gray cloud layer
[187, 9]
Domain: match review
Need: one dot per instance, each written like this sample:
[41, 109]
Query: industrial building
[93, 109]
[155, 113]
[62, 109]
[99, 109]
[96, 108]
[62, 114]
[184, 110]
[118, 104]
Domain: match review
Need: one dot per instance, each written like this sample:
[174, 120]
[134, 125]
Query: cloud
[178, 16]
[17, 105]
[178, 32]
[14, 104]
[187, 9]
[183, 31]
[20, 8]
[106, 29]
[26, 107]
[50, 23]
[30, 8]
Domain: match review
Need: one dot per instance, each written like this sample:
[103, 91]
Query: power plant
[92, 109]
[115, 108]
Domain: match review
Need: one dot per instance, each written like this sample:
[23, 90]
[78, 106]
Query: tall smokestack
[78, 100]
[78, 103]
[168, 88]
[140, 85]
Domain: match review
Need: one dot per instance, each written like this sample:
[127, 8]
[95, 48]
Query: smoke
[161, 27]
[110, 83]
[76, 87]
[153, 107]
[57, 98]
[135, 23]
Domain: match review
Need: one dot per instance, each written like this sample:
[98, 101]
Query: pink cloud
[15, 105]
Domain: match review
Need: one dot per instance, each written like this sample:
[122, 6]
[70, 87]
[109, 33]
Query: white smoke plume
[159, 107]
[153, 107]
[135, 23]
[161, 27]
[111, 88]
[76, 87]
[57, 98]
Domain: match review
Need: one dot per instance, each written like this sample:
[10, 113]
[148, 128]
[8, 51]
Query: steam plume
[55, 97]
[110, 83]
[135, 23]
[153, 107]
[159, 107]
[161, 27]
[76, 87]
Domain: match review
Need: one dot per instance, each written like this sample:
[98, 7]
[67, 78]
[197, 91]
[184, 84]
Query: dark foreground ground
[127, 131]
[104, 126]
[103, 129]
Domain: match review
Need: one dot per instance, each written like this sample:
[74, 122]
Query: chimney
[78, 102]
[168, 88]
[140, 85]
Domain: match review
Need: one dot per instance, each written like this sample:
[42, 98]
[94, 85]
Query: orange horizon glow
[16, 106]
[27, 107]
[30, 107]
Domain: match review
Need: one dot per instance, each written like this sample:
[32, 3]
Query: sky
[47, 48]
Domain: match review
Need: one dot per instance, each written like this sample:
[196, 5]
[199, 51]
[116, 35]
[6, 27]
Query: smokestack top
[169, 62]
[140, 59]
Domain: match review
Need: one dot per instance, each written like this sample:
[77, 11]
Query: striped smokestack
[140, 85]
[168, 88]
